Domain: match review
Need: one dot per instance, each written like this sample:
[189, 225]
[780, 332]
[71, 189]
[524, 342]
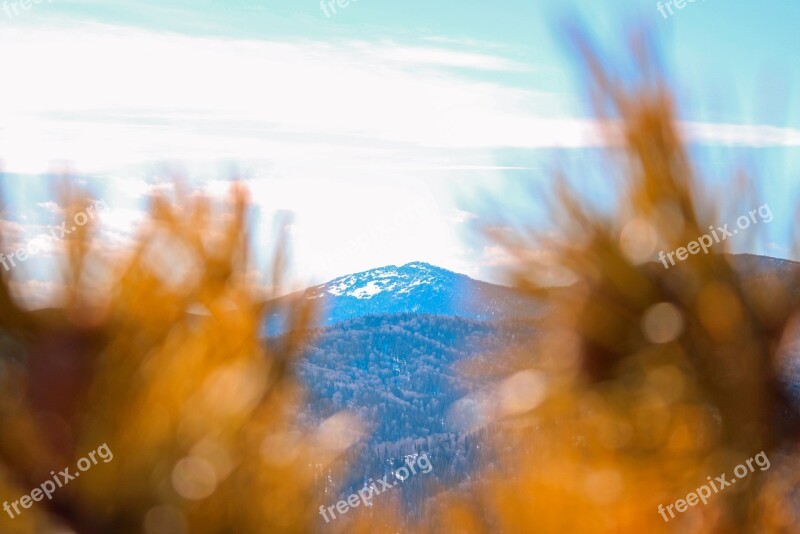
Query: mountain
[401, 375]
[419, 287]
[387, 347]
[392, 345]
[411, 288]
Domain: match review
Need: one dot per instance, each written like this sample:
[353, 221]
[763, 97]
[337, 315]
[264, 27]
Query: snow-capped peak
[367, 284]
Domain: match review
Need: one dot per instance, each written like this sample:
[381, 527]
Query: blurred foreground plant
[644, 381]
[159, 354]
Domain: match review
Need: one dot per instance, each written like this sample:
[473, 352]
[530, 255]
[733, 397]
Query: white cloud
[741, 134]
[421, 56]
[104, 97]
[51, 207]
[352, 131]
[462, 216]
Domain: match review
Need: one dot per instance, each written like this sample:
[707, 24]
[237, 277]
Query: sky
[389, 130]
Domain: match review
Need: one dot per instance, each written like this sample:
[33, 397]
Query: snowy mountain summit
[390, 279]
[415, 287]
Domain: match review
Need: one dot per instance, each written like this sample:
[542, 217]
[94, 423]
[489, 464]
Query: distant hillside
[398, 374]
[389, 348]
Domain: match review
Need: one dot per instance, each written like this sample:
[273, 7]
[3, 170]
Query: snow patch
[367, 291]
[388, 279]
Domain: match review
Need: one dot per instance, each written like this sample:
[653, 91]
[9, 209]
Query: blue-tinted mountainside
[399, 374]
[389, 350]
[412, 288]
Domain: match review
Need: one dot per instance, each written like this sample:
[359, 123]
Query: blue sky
[397, 117]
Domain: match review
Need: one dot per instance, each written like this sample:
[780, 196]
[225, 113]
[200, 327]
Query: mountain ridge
[420, 287]
[415, 287]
